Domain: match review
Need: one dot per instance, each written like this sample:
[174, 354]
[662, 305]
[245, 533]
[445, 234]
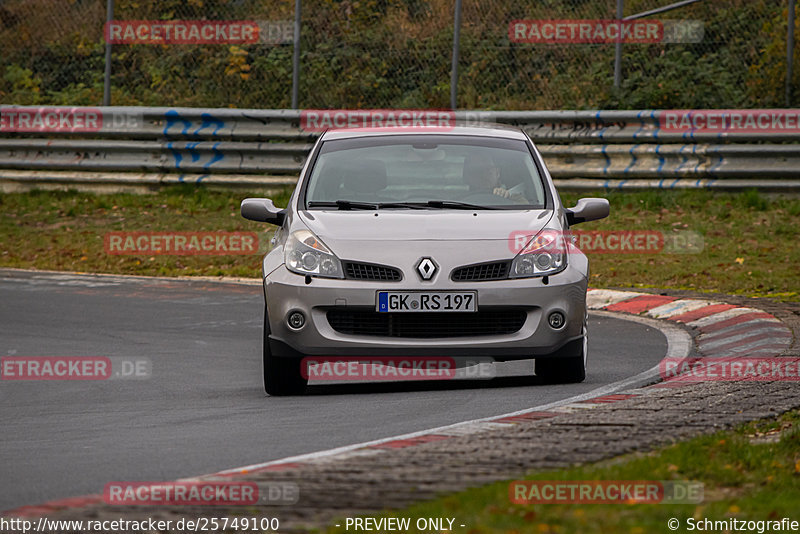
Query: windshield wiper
[353, 205]
[438, 204]
[343, 205]
[410, 205]
[444, 204]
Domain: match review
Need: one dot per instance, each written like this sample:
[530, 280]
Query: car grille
[368, 271]
[497, 270]
[426, 324]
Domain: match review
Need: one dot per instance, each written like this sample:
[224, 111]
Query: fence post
[296, 56]
[618, 46]
[789, 53]
[107, 73]
[454, 67]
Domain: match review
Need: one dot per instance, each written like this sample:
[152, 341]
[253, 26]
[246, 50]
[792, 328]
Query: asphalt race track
[203, 409]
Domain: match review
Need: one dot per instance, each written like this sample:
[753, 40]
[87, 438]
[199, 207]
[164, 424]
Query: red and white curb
[724, 330]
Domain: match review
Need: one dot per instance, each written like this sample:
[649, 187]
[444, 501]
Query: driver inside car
[482, 176]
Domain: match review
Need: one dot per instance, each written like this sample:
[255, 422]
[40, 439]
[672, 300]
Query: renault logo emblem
[426, 268]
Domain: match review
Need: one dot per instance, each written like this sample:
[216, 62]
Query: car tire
[565, 369]
[282, 376]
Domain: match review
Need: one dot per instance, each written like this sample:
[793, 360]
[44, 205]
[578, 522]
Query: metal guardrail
[583, 149]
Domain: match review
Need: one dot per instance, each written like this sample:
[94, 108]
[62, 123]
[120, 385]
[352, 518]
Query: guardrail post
[789, 53]
[454, 67]
[107, 73]
[618, 46]
[296, 56]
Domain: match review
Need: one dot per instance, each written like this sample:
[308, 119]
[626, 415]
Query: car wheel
[282, 376]
[566, 369]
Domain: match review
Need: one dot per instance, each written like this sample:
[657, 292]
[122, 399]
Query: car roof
[485, 130]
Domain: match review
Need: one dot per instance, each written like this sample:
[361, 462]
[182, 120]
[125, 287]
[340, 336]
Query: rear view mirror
[262, 210]
[588, 209]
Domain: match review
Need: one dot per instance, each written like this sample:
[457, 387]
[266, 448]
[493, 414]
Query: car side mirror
[262, 210]
[588, 209]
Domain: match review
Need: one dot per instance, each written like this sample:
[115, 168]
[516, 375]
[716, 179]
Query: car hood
[400, 238]
[423, 225]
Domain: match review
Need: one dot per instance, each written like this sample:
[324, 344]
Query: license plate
[427, 301]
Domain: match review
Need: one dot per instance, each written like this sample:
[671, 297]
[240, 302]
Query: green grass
[751, 473]
[750, 242]
[64, 231]
[750, 239]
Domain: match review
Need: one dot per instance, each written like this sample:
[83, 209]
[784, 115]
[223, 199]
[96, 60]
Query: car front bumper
[287, 292]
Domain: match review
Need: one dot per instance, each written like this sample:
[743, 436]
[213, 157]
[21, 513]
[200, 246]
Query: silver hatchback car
[416, 243]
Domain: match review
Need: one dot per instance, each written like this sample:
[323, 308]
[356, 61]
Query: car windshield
[432, 172]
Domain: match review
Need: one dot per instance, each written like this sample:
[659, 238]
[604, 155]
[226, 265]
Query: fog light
[556, 320]
[296, 320]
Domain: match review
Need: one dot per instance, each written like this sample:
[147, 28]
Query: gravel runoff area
[397, 472]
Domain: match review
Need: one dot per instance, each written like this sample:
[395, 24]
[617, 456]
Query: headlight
[305, 254]
[545, 254]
